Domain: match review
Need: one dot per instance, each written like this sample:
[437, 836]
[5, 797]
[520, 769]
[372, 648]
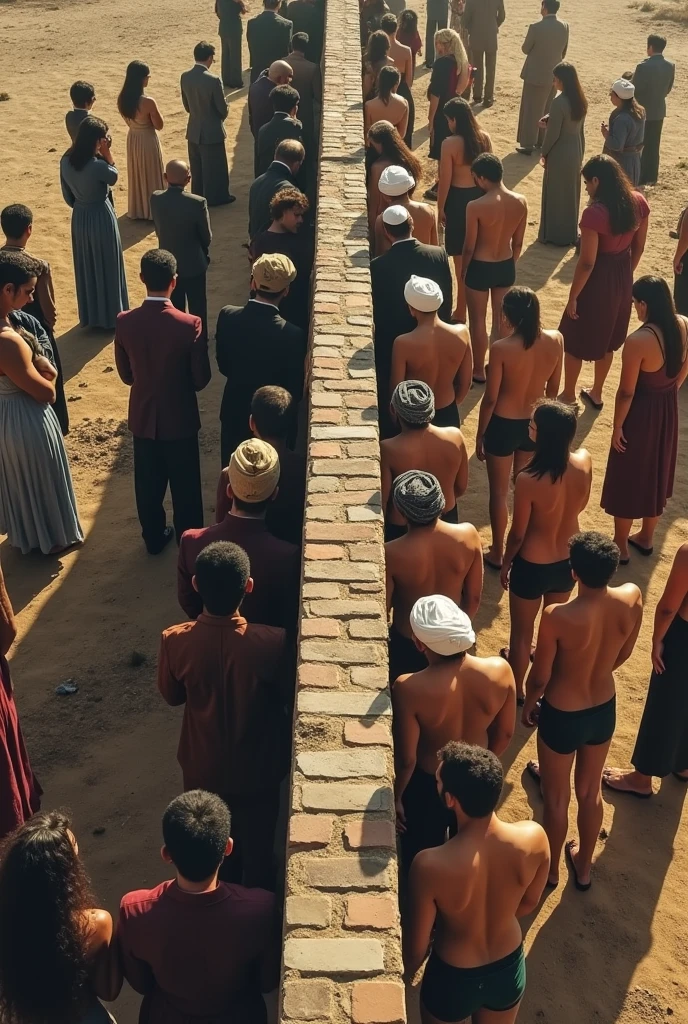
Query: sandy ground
[617, 954]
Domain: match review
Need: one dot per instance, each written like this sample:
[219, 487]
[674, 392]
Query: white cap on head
[441, 625]
[423, 294]
[395, 215]
[395, 181]
[624, 89]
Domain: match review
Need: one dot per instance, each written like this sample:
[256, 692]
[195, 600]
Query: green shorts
[454, 993]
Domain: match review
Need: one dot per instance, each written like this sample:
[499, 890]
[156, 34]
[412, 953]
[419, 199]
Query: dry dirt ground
[108, 752]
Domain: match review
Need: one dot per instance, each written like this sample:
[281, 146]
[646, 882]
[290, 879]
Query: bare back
[432, 353]
[554, 508]
[455, 149]
[395, 111]
[526, 372]
[400, 55]
[437, 450]
[499, 214]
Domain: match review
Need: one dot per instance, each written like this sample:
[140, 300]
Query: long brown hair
[614, 191]
[394, 149]
[572, 89]
[467, 128]
[655, 293]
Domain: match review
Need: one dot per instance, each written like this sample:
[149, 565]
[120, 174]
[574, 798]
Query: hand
[401, 817]
[657, 656]
[441, 216]
[543, 161]
[45, 368]
[618, 440]
[605, 130]
[480, 448]
[504, 575]
[571, 309]
[530, 714]
[542, 123]
[678, 266]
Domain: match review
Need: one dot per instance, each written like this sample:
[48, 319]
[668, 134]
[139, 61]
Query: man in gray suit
[436, 15]
[653, 80]
[481, 21]
[204, 100]
[182, 225]
[545, 46]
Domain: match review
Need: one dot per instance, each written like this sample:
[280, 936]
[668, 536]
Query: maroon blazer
[275, 567]
[162, 353]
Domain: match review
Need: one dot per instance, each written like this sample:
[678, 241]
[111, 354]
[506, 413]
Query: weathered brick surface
[341, 918]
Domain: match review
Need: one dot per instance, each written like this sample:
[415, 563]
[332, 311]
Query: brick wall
[342, 956]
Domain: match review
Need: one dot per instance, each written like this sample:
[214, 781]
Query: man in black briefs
[495, 226]
[476, 969]
[580, 644]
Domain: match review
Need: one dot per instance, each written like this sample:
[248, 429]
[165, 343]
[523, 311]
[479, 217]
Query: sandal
[646, 552]
[568, 853]
[597, 406]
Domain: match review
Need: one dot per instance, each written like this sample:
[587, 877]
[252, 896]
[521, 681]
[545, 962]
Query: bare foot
[627, 782]
[581, 879]
[568, 399]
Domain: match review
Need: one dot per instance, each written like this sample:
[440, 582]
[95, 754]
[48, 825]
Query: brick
[310, 829]
[363, 513]
[308, 911]
[324, 551]
[324, 512]
[351, 705]
[343, 433]
[360, 834]
[328, 591]
[340, 531]
[378, 1003]
[361, 449]
[325, 450]
[319, 675]
[365, 588]
[341, 764]
[365, 552]
[340, 652]
[370, 912]
[320, 627]
[319, 399]
[346, 467]
[340, 873]
[346, 497]
[359, 734]
[362, 572]
[334, 796]
[358, 402]
[368, 629]
[343, 609]
[307, 1000]
[323, 484]
[360, 484]
[327, 416]
[334, 956]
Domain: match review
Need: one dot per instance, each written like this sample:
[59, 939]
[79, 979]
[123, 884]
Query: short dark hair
[489, 166]
[222, 570]
[594, 558]
[15, 219]
[473, 775]
[284, 98]
[195, 828]
[158, 267]
[551, 6]
[17, 268]
[389, 23]
[203, 50]
[272, 409]
[82, 93]
[290, 152]
[657, 43]
[402, 230]
[287, 199]
[271, 5]
[299, 41]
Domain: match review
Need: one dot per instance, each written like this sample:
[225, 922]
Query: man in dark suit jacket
[230, 31]
[653, 79]
[281, 173]
[308, 18]
[204, 100]
[182, 225]
[255, 347]
[268, 36]
[307, 81]
[284, 125]
[260, 109]
[163, 355]
[388, 275]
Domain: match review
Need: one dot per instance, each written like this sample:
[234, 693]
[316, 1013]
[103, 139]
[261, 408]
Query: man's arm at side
[422, 914]
[205, 234]
[137, 972]
[200, 362]
[501, 729]
[189, 599]
[122, 359]
[170, 688]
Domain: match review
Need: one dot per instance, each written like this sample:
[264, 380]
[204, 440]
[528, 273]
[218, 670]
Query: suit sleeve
[189, 599]
[317, 94]
[45, 293]
[446, 285]
[566, 44]
[220, 101]
[554, 123]
[200, 362]
[671, 79]
[501, 13]
[205, 233]
[467, 21]
[221, 345]
[529, 41]
[171, 690]
[184, 99]
[137, 972]
[122, 359]
[295, 364]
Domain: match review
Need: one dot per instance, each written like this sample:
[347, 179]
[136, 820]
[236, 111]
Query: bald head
[177, 172]
[280, 72]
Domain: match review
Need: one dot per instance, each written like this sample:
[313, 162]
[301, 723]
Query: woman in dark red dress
[613, 233]
[642, 459]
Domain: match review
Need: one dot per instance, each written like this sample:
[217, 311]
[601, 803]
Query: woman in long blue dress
[37, 503]
[87, 170]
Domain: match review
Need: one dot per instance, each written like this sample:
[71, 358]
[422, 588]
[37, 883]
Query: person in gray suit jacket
[268, 36]
[284, 125]
[182, 225]
[436, 16]
[545, 46]
[481, 21]
[204, 100]
[653, 80]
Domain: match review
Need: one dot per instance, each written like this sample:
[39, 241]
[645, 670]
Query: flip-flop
[598, 406]
[491, 565]
[681, 778]
[646, 552]
[480, 380]
[624, 561]
[504, 653]
[627, 792]
[533, 772]
[569, 857]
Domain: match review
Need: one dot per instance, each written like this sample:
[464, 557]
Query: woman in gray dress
[37, 503]
[623, 136]
[87, 170]
[562, 157]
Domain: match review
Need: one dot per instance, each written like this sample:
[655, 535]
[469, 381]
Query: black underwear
[567, 731]
[532, 580]
[505, 436]
[448, 416]
[481, 275]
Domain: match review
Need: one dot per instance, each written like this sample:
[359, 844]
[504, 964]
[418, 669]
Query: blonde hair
[452, 40]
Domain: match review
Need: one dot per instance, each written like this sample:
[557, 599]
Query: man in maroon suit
[163, 354]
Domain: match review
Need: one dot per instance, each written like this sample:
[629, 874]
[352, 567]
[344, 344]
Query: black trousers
[189, 292]
[649, 160]
[231, 55]
[157, 464]
[209, 172]
[254, 819]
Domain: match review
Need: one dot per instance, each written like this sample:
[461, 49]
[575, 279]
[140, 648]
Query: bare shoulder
[461, 331]
[529, 836]
[681, 557]
[99, 926]
[581, 459]
[497, 669]
[628, 593]
[467, 533]
[556, 337]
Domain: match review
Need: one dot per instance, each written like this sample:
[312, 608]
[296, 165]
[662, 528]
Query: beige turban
[439, 623]
[254, 471]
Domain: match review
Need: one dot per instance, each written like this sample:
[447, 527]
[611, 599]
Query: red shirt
[596, 218]
[195, 956]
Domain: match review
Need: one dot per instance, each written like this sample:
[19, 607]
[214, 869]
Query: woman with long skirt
[145, 170]
[642, 459]
[562, 156]
[613, 233]
[661, 746]
[623, 136]
[87, 170]
[681, 265]
[403, 60]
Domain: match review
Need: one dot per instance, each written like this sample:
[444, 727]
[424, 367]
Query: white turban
[623, 89]
[439, 623]
[395, 181]
[423, 294]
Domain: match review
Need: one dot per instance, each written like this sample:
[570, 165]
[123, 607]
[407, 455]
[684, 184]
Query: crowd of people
[205, 944]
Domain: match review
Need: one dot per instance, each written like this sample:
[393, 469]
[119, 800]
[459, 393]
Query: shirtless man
[420, 445]
[431, 558]
[580, 644]
[434, 352]
[495, 226]
[458, 697]
[523, 367]
[472, 891]
[396, 187]
[549, 495]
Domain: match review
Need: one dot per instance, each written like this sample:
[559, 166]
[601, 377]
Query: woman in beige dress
[144, 156]
[387, 106]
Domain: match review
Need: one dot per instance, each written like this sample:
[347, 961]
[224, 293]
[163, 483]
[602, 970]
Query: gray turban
[418, 496]
[413, 401]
